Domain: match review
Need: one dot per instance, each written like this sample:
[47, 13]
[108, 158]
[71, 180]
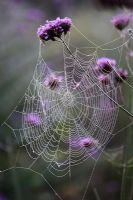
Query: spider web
[80, 107]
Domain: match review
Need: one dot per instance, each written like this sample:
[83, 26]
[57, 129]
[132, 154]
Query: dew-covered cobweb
[78, 107]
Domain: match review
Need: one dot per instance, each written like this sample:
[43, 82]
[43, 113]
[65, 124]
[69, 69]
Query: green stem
[124, 173]
[131, 191]
[96, 194]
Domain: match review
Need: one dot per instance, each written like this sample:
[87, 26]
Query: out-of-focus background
[19, 46]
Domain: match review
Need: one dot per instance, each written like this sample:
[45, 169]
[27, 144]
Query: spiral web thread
[80, 107]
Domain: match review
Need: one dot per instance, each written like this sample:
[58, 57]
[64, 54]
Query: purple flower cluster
[106, 65]
[54, 29]
[121, 75]
[121, 21]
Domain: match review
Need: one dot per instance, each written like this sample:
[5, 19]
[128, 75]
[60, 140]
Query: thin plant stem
[125, 193]
[96, 194]
[124, 172]
[131, 191]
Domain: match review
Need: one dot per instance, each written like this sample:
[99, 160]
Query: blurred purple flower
[87, 142]
[54, 29]
[33, 119]
[84, 142]
[122, 74]
[121, 21]
[34, 14]
[117, 3]
[105, 65]
[104, 79]
[53, 81]
[2, 197]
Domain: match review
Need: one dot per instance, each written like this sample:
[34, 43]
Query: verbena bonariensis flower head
[54, 29]
[105, 65]
[104, 79]
[121, 21]
[33, 119]
[122, 74]
[53, 81]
